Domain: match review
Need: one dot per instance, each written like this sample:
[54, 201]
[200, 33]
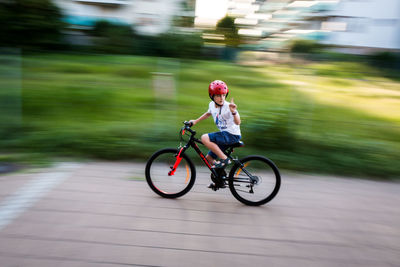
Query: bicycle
[253, 180]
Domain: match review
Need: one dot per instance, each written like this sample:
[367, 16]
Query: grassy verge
[340, 118]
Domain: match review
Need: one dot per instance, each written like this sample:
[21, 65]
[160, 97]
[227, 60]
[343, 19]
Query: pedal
[213, 187]
[222, 185]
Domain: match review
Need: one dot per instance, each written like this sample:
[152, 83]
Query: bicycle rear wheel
[255, 182]
[157, 172]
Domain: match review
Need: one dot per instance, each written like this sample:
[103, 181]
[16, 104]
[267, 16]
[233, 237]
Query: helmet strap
[212, 98]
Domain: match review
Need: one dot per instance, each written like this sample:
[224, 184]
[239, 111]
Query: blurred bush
[386, 60]
[114, 38]
[270, 132]
[179, 45]
[31, 24]
[122, 39]
[305, 46]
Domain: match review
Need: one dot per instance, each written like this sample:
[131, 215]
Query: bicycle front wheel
[255, 181]
[161, 181]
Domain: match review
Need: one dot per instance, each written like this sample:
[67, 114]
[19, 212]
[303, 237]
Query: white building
[365, 24]
[356, 25]
[149, 17]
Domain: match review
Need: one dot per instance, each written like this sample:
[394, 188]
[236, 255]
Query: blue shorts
[223, 140]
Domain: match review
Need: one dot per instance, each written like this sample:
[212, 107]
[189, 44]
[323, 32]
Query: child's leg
[213, 147]
[210, 159]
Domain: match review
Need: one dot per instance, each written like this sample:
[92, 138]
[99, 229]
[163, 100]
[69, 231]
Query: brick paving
[104, 214]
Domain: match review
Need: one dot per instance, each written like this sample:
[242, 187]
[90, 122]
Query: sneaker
[213, 187]
[222, 164]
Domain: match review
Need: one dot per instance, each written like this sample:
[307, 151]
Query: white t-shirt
[223, 118]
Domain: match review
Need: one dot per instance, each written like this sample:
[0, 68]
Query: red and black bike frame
[191, 143]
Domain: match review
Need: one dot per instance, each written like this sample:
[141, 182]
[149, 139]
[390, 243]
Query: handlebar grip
[187, 123]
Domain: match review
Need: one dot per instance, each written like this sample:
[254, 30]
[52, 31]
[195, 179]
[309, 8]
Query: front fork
[178, 160]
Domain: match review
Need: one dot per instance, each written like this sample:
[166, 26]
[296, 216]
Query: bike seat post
[229, 151]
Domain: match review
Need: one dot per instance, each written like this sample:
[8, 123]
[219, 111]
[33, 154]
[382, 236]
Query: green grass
[338, 117]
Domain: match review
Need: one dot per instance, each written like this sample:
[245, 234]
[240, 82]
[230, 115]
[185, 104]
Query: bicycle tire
[267, 173]
[160, 182]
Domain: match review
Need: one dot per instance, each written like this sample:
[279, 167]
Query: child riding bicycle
[253, 180]
[227, 119]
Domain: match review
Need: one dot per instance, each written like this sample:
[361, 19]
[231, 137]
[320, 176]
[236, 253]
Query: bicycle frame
[192, 143]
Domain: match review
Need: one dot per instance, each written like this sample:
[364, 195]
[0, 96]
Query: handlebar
[187, 127]
[188, 123]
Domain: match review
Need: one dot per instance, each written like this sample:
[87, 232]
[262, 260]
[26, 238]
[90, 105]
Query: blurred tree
[122, 39]
[305, 46]
[386, 59]
[114, 38]
[227, 27]
[30, 24]
[178, 45]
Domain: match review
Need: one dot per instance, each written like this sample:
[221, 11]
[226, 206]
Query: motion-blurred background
[317, 83]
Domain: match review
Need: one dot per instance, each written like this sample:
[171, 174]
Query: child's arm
[236, 117]
[202, 117]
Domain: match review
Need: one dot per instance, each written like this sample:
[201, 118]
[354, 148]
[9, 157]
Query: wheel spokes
[253, 181]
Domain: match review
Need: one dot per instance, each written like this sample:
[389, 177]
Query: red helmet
[217, 87]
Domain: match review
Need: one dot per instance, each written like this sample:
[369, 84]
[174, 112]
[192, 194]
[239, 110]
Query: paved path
[104, 214]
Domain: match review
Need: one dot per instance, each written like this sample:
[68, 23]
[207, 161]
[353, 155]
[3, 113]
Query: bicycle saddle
[238, 144]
